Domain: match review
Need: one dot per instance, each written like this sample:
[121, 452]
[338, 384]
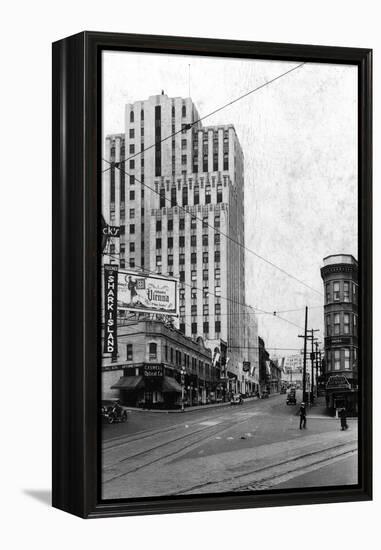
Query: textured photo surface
[229, 275]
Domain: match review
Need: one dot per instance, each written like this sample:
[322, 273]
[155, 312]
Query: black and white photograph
[229, 274]
[190, 221]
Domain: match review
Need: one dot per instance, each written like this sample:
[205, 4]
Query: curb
[188, 409]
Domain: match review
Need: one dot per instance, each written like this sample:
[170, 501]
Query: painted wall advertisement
[111, 309]
[147, 293]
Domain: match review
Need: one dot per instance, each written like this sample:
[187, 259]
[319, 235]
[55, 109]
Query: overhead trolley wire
[222, 234]
[189, 125]
[117, 165]
[259, 310]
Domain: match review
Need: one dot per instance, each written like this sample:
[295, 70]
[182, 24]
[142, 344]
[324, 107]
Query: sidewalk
[193, 408]
[319, 410]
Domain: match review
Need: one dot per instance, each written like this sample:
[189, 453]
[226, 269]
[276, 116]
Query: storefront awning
[170, 385]
[129, 383]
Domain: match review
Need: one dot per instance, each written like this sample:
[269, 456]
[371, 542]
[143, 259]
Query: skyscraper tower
[180, 205]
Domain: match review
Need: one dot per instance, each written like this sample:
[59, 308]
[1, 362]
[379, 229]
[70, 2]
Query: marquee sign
[147, 293]
[338, 341]
[338, 382]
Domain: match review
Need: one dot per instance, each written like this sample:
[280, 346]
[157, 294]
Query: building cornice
[338, 268]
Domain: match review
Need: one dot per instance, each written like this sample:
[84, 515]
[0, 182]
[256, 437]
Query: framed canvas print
[212, 274]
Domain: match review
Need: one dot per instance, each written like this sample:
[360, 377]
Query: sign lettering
[110, 303]
[149, 293]
[153, 371]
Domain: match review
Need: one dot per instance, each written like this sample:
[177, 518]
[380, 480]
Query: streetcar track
[299, 469]
[172, 453]
[153, 433]
[146, 433]
[188, 434]
[139, 436]
[272, 466]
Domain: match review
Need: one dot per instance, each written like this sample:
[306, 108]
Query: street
[254, 446]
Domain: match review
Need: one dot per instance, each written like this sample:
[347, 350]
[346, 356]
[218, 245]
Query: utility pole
[318, 366]
[304, 353]
[312, 331]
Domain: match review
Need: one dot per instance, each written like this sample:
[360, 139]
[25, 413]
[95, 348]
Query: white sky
[299, 138]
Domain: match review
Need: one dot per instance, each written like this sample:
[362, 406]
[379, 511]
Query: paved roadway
[254, 446]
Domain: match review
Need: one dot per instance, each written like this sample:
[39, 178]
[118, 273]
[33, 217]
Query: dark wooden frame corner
[76, 199]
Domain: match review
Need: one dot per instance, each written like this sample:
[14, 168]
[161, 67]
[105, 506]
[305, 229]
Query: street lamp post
[182, 387]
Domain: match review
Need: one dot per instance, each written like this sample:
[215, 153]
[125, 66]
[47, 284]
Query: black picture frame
[76, 213]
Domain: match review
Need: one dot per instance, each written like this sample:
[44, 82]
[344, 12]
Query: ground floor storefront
[159, 390]
[155, 387]
[341, 393]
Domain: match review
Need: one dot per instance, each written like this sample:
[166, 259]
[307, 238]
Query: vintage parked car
[113, 411]
[291, 399]
[236, 399]
[264, 394]
[283, 390]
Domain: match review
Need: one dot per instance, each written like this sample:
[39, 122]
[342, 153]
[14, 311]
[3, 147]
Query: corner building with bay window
[340, 276]
[180, 206]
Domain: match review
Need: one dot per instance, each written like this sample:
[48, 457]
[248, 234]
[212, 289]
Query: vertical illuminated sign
[111, 308]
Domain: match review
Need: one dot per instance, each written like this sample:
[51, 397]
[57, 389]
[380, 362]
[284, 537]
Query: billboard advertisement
[147, 293]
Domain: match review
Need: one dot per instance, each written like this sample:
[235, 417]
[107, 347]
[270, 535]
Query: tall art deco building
[180, 206]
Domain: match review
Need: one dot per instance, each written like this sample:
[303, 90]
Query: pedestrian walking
[303, 416]
[343, 419]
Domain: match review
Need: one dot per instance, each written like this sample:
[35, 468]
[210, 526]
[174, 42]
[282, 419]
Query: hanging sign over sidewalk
[111, 308]
[246, 366]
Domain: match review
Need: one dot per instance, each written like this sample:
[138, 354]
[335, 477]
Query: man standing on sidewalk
[343, 419]
[303, 416]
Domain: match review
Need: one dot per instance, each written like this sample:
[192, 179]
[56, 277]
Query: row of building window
[205, 152]
[193, 241]
[132, 212]
[132, 115]
[340, 291]
[131, 263]
[205, 295]
[205, 161]
[205, 327]
[171, 355]
[132, 196]
[132, 164]
[132, 149]
[193, 223]
[131, 132]
[131, 229]
[173, 112]
[340, 359]
[183, 113]
[173, 200]
[341, 323]
[205, 277]
[193, 259]
[205, 309]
